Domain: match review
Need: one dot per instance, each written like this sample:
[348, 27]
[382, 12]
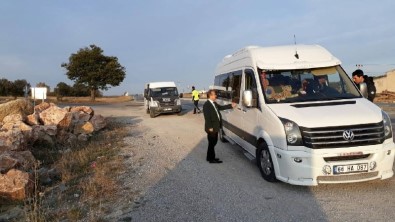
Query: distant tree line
[18, 88]
[14, 88]
[62, 89]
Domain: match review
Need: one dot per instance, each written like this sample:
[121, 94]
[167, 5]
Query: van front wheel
[151, 113]
[265, 163]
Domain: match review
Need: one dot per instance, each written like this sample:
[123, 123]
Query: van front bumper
[307, 166]
[167, 109]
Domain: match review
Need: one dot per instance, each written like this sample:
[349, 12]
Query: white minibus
[301, 116]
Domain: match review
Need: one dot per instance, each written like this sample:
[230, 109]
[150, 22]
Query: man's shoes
[215, 161]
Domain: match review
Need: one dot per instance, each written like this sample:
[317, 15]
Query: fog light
[372, 165]
[292, 138]
[388, 152]
[327, 169]
[298, 160]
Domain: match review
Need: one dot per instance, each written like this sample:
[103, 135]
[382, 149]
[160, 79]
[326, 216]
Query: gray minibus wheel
[151, 113]
[265, 163]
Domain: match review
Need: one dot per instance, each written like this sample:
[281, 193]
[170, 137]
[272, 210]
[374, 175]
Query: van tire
[221, 136]
[151, 113]
[265, 162]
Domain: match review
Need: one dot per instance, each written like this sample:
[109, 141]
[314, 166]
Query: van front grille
[349, 177]
[343, 136]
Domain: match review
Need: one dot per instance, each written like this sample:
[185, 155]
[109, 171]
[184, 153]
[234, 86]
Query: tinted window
[250, 84]
[235, 79]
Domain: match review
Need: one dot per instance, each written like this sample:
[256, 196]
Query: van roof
[283, 57]
[161, 84]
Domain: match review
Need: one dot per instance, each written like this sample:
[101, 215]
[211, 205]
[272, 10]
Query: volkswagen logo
[348, 135]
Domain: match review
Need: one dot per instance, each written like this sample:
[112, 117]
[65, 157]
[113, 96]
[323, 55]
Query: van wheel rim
[266, 164]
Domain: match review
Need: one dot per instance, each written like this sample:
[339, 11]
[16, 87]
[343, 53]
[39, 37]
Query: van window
[165, 91]
[235, 79]
[222, 86]
[250, 83]
[287, 86]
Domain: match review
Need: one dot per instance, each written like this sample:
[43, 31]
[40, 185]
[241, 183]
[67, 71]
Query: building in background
[385, 82]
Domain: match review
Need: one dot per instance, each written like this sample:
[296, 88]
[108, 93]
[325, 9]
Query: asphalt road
[194, 190]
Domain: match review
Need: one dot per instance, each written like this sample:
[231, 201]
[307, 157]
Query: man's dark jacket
[210, 116]
[371, 87]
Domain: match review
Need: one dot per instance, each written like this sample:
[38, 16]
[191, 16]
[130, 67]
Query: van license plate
[353, 168]
[167, 109]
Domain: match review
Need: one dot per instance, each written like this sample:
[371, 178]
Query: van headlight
[178, 102]
[292, 132]
[387, 125]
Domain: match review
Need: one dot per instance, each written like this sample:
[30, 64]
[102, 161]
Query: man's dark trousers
[212, 141]
[196, 103]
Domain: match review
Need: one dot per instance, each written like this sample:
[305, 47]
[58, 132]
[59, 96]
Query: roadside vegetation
[88, 178]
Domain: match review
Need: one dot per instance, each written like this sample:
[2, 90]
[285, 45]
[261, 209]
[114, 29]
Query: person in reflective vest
[195, 100]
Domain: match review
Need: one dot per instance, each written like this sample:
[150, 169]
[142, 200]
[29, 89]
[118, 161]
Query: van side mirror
[249, 100]
[364, 89]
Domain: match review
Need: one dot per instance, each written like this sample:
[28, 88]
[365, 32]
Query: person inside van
[269, 91]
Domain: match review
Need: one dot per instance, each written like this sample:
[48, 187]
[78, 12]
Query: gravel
[171, 181]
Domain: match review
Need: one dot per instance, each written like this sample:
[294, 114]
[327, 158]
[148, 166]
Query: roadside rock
[65, 137]
[15, 185]
[13, 118]
[85, 109]
[7, 162]
[14, 136]
[81, 117]
[22, 160]
[66, 122]
[98, 122]
[33, 119]
[42, 106]
[84, 128]
[83, 137]
[19, 106]
[53, 115]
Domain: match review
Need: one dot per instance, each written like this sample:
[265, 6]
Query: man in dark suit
[213, 123]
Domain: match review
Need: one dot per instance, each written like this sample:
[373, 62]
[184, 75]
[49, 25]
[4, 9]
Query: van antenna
[296, 49]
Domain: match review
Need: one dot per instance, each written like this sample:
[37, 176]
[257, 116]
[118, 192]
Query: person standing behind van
[213, 123]
[359, 78]
[195, 100]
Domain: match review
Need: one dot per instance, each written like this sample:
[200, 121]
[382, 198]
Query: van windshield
[302, 85]
[165, 91]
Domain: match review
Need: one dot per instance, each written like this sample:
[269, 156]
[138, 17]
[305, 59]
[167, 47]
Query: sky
[184, 40]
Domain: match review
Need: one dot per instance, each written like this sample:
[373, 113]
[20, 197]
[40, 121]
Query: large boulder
[21, 160]
[53, 115]
[15, 185]
[19, 106]
[98, 122]
[66, 122]
[84, 109]
[65, 137]
[33, 119]
[84, 128]
[45, 134]
[12, 118]
[15, 136]
[42, 106]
